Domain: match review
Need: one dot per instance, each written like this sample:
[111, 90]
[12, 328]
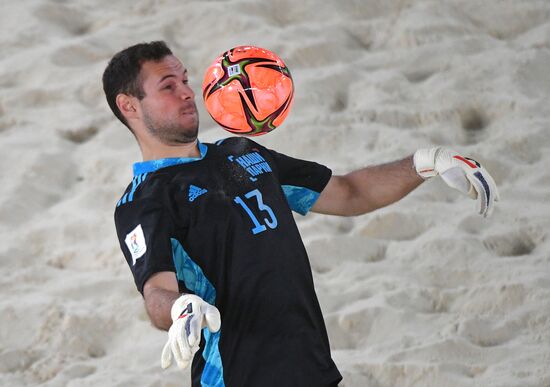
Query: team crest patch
[195, 192]
[135, 241]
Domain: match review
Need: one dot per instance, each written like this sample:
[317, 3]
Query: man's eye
[168, 87]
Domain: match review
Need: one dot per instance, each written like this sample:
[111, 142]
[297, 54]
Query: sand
[421, 293]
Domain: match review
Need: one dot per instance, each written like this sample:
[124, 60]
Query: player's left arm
[374, 187]
[368, 189]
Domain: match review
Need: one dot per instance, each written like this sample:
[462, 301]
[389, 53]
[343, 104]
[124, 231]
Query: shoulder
[144, 188]
[145, 202]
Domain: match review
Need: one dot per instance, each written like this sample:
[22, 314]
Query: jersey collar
[154, 165]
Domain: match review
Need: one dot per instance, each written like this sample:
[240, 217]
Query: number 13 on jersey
[270, 221]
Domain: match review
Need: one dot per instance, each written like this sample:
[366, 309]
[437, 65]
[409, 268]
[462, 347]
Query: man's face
[168, 108]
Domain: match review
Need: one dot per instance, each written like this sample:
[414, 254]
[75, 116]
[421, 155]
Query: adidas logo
[195, 192]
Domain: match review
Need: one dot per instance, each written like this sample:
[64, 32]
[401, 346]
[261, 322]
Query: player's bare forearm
[368, 189]
[158, 303]
[160, 291]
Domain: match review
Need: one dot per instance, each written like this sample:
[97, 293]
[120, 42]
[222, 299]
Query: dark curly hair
[122, 73]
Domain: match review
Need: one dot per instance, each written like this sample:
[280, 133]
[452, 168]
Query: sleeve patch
[135, 240]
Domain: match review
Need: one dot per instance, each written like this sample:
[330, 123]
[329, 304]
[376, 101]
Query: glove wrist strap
[424, 162]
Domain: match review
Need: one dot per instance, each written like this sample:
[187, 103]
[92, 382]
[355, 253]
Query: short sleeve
[302, 181]
[144, 230]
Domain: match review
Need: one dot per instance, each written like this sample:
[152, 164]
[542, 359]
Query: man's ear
[127, 105]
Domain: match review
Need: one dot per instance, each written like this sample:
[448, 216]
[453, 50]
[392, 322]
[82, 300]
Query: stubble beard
[170, 132]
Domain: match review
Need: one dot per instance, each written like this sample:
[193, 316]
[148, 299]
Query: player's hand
[190, 314]
[459, 172]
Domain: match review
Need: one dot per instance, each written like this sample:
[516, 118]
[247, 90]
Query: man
[214, 246]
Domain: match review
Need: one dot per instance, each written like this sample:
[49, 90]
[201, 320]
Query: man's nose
[187, 93]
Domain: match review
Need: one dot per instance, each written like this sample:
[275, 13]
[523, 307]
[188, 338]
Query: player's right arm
[146, 232]
[160, 291]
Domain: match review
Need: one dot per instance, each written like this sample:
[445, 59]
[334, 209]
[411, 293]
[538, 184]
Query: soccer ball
[248, 90]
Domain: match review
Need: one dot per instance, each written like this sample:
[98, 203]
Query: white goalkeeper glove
[190, 314]
[461, 173]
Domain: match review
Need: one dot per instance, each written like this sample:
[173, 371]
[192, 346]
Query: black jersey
[223, 223]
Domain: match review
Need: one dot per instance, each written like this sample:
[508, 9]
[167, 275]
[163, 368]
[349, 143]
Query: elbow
[160, 323]
[155, 321]
[152, 315]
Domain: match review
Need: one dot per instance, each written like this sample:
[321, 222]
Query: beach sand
[422, 293]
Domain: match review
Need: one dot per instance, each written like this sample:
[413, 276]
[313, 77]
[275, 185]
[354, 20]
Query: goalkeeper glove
[190, 314]
[461, 173]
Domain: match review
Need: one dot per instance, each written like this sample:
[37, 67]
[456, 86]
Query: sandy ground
[422, 293]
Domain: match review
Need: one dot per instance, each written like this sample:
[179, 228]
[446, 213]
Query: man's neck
[163, 151]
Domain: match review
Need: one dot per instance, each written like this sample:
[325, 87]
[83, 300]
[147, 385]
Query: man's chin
[180, 133]
[188, 136]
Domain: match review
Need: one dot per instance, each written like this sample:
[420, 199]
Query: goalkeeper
[214, 249]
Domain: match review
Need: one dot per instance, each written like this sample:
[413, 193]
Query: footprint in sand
[469, 123]
[329, 90]
[511, 244]
[420, 300]
[485, 333]
[473, 121]
[79, 135]
[419, 75]
[63, 17]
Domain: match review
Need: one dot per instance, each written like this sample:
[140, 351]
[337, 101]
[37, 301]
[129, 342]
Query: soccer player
[208, 231]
